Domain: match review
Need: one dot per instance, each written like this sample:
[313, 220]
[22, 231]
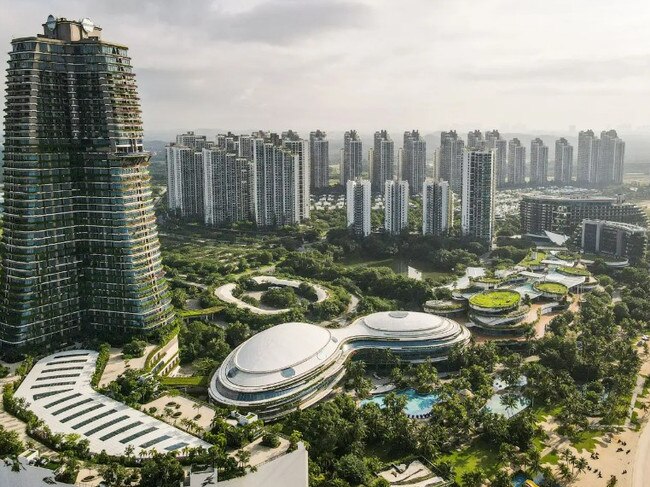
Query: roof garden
[496, 299]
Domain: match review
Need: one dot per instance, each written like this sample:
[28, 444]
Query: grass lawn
[587, 440]
[551, 288]
[477, 455]
[533, 260]
[196, 380]
[496, 299]
[573, 271]
[552, 458]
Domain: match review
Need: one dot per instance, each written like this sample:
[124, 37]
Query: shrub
[135, 348]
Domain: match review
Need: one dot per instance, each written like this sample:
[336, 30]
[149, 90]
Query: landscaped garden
[551, 288]
[574, 271]
[496, 299]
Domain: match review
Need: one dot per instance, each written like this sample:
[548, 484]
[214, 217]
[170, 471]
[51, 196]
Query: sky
[516, 65]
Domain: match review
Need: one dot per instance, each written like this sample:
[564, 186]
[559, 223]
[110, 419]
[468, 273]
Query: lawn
[500, 298]
[197, 380]
[587, 440]
[534, 258]
[477, 455]
[574, 271]
[551, 288]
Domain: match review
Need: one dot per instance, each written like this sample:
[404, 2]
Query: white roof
[27, 476]
[289, 470]
[404, 321]
[58, 391]
[281, 346]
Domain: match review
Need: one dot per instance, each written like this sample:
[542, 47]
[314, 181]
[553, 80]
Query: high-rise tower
[414, 160]
[516, 163]
[383, 161]
[358, 203]
[588, 156]
[494, 141]
[538, 162]
[437, 208]
[352, 161]
[451, 159]
[81, 247]
[563, 162]
[319, 148]
[477, 211]
[396, 206]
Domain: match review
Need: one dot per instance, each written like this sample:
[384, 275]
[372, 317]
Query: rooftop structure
[58, 391]
[297, 364]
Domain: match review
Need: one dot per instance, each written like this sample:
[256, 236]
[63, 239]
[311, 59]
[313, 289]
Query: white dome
[404, 321]
[281, 347]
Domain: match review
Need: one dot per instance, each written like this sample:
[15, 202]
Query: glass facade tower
[81, 248]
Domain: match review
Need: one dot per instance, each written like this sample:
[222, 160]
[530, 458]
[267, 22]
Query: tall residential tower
[477, 211]
[563, 162]
[383, 161]
[414, 160]
[451, 159]
[81, 247]
[352, 161]
[358, 203]
[538, 162]
[319, 148]
[437, 208]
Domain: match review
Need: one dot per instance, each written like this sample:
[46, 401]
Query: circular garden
[574, 271]
[495, 300]
[551, 289]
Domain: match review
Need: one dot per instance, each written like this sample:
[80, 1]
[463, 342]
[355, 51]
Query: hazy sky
[368, 64]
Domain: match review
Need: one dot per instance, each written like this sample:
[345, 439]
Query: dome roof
[404, 321]
[281, 347]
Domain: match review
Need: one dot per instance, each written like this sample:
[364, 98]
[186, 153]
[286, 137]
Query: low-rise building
[615, 239]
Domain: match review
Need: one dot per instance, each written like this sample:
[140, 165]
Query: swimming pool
[495, 404]
[416, 404]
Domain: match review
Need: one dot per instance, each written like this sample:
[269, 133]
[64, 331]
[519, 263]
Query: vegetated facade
[565, 214]
[498, 312]
[297, 364]
[615, 239]
[81, 247]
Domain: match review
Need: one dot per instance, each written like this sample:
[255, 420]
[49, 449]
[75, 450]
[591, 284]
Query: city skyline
[297, 53]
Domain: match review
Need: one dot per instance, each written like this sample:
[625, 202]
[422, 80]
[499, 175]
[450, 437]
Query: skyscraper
[477, 211]
[538, 162]
[451, 159]
[358, 204]
[383, 161]
[275, 197]
[227, 187]
[396, 205]
[437, 208]
[611, 162]
[414, 160]
[494, 141]
[185, 174]
[81, 248]
[563, 162]
[319, 148]
[516, 163]
[588, 156]
[352, 162]
[475, 140]
[300, 147]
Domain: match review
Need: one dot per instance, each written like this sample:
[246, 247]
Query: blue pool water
[417, 404]
[519, 479]
[495, 405]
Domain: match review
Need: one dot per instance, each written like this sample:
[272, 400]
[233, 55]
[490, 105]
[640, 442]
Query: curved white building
[296, 364]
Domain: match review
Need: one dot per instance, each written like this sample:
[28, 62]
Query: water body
[416, 405]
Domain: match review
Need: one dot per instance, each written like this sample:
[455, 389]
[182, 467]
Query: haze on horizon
[369, 64]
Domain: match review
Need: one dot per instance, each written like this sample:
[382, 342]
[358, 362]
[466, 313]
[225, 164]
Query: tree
[501, 479]
[114, 474]
[472, 479]
[10, 443]
[135, 348]
[352, 468]
[612, 482]
[161, 471]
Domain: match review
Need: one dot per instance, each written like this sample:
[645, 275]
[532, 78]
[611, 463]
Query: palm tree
[612, 482]
[581, 465]
[565, 472]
